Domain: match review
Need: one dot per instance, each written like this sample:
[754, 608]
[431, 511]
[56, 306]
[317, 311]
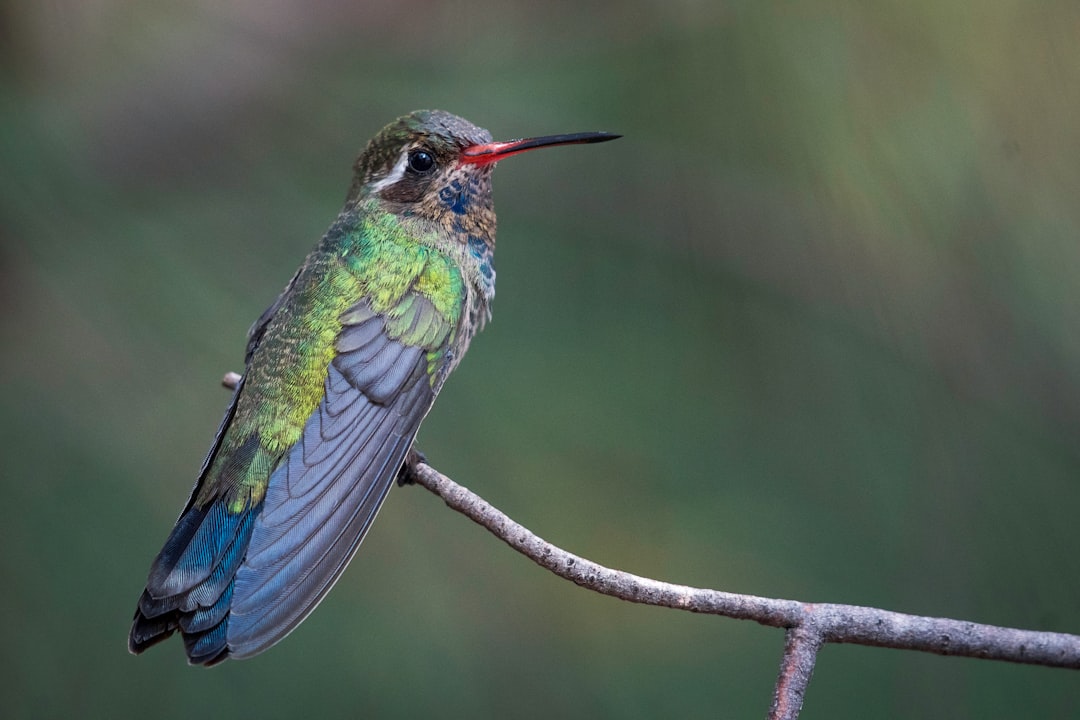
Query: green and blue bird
[340, 372]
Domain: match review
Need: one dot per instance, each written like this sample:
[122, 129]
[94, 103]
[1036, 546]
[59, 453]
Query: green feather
[419, 291]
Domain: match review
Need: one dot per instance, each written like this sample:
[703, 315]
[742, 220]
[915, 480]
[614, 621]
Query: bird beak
[493, 152]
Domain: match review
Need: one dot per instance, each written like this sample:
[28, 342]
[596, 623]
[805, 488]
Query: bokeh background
[810, 330]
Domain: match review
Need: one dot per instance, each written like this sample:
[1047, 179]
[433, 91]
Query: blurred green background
[810, 330]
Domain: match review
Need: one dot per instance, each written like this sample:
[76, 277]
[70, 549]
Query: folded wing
[323, 497]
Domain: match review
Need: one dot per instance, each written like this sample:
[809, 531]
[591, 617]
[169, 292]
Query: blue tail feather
[194, 550]
[207, 617]
[206, 647]
[191, 582]
[178, 542]
[209, 591]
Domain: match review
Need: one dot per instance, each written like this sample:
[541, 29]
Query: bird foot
[407, 474]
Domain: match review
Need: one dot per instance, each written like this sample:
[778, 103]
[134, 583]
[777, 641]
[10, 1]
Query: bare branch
[800, 653]
[833, 623]
[809, 625]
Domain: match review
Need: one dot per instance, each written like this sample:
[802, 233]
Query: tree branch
[808, 625]
[832, 623]
[801, 645]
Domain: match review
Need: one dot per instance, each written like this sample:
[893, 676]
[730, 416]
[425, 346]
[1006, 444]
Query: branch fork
[808, 626]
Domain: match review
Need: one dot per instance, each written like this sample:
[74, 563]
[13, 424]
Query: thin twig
[835, 623]
[809, 625]
[801, 645]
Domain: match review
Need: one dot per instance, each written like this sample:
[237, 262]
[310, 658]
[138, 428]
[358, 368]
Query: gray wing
[324, 496]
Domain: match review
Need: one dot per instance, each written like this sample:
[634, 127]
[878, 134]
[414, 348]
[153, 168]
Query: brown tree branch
[808, 625]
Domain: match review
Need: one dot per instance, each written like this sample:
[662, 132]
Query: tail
[190, 587]
[191, 582]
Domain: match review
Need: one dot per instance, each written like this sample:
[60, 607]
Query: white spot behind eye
[396, 173]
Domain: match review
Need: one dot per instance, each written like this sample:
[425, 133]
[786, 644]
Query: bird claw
[407, 474]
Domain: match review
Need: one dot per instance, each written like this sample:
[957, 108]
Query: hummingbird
[339, 373]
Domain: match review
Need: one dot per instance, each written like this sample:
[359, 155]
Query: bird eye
[421, 161]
